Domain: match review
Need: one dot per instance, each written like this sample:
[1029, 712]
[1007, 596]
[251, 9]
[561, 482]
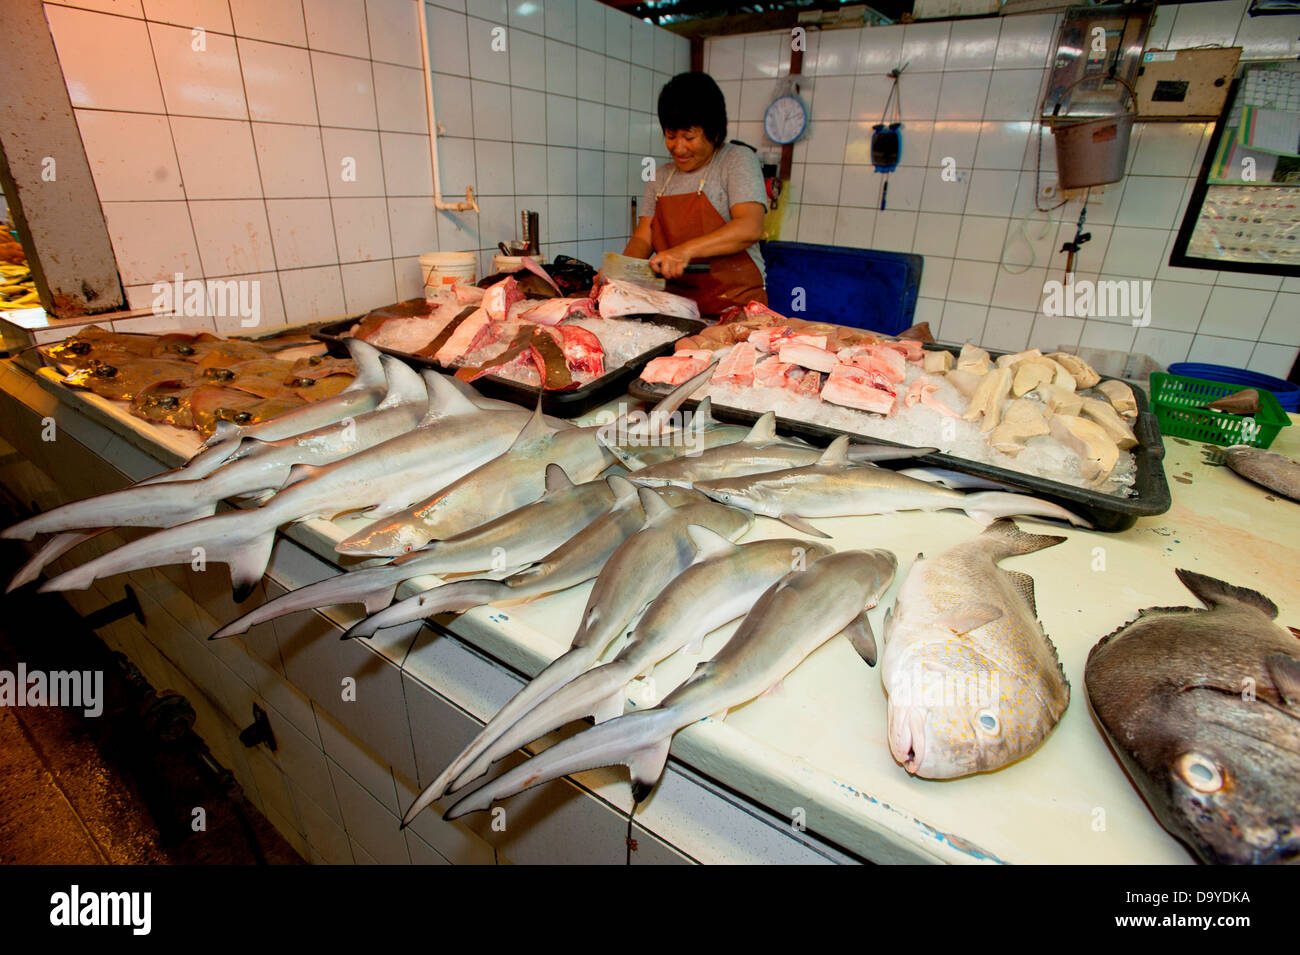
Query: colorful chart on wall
[1244, 213]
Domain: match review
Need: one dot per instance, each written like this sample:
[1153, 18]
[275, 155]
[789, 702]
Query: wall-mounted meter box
[1095, 44]
[1185, 84]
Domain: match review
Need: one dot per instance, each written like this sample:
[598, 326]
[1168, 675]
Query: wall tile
[561, 19]
[1149, 201]
[1006, 329]
[151, 240]
[407, 167]
[361, 229]
[278, 21]
[448, 42]
[1220, 351]
[290, 160]
[1013, 94]
[1178, 305]
[278, 82]
[1164, 346]
[131, 156]
[399, 94]
[107, 62]
[1283, 324]
[855, 227]
[302, 231]
[413, 227]
[310, 294]
[368, 285]
[1205, 23]
[972, 44]
[1051, 333]
[453, 105]
[203, 82]
[345, 93]
[962, 95]
[337, 26]
[1236, 313]
[528, 115]
[394, 33]
[487, 59]
[925, 46]
[1275, 360]
[962, 322]
[353, 163]
[233, 236]
[217, 158]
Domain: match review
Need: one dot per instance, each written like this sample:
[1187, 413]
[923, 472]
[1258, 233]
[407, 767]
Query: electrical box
[1095, 46]
[1185, 84]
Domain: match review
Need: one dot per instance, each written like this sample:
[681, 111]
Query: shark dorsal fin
[708, 543]
[404, 385]
[445, 398]
[370, 370]
[534, 429]
[764, 430]
[655, 507]
[556, 479]
[625, 492]
[703, 418]
[837, 454]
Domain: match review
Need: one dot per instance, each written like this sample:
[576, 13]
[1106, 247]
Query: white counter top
[818, 743]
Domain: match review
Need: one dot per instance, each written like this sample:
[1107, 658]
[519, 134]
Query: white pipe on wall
[469, 201]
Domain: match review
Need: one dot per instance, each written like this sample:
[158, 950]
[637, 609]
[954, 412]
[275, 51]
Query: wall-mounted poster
[1244, 213]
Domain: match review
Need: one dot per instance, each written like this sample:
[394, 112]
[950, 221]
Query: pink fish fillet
[671, 370]
[467, 294]
[462, 339]
[809, 356]
[911, 350]
[738, 367]
[770, 338]
[804, 382]
[701, 354]
[498, 298]
[771, 373]
[757, 309]
[582, 349]
[922, 390]
[555, 310]
[877, 358]
[816, 341]
[855, 387]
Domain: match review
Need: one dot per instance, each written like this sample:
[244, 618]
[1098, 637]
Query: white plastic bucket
[512, 263]
[447, 268]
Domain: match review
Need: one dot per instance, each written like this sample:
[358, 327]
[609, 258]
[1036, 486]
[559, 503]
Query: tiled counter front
[359, 725]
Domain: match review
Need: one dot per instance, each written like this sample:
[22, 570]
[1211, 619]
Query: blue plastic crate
[861, 288]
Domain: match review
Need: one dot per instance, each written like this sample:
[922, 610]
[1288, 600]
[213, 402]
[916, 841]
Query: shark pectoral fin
[611, 707]
[647, 766]
[247, 564]
[764, 430]
[224, 431]
[1285, 672]
[863, 640]
[799, 524]
[722, 714]
[964, 621]
[556, 479]
[694, 646]
[377, 600]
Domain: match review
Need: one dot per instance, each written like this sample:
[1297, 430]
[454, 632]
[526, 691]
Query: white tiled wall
[969, 92]
[218, 130]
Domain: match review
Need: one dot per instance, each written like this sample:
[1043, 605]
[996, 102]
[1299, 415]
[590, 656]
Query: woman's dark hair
[694, 99]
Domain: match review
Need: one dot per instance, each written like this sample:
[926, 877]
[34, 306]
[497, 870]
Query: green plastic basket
[1175, 401]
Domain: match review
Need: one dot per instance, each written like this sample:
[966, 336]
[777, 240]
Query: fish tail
[1214, 592]
[455, 597]
[240, 539]
[579, 697]
[153, 505]
[373, 586]
[989, 506]
[1016, 541]
[54, 548]
[639, 741]
[533, 693]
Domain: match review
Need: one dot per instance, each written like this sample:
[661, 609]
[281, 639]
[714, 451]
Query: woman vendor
[706, 206]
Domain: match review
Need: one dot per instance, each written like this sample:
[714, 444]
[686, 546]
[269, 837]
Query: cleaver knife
[638, 271]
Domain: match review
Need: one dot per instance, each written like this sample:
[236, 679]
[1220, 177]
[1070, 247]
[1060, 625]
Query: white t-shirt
[733, 176]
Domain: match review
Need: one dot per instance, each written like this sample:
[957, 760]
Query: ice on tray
[922, 427]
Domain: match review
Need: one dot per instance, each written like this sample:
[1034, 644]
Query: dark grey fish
[1203, 709]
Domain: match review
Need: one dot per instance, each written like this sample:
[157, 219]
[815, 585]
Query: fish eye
[105, 371]
[185, 349]
[1200, 772]
[302, 382]
[79, 348]
[986, 721]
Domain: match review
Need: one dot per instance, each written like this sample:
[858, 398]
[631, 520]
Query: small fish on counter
[1268, 469]
[973, 682]
[1245, 402]
[1202, 707]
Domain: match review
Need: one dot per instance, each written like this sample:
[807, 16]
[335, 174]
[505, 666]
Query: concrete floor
[117, 789]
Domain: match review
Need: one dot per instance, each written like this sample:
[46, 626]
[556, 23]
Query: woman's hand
[671, 263]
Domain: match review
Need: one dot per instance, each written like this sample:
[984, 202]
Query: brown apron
[732, 280]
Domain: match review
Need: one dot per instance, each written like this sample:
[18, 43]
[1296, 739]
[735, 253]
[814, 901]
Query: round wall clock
[786, 119]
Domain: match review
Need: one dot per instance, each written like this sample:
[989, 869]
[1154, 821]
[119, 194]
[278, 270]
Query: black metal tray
[1105, 511]
[561, 404]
